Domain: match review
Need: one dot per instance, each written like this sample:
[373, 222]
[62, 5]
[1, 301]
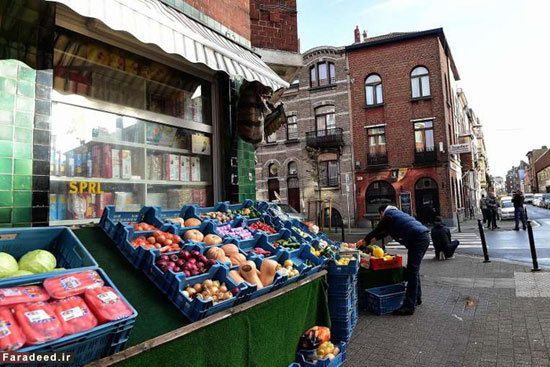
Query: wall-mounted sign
[405, 202]
[83, 186]
[460, 148]
[402, 173]
[394, 175]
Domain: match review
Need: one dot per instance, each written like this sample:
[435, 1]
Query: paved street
[473, 314]
[514, 245]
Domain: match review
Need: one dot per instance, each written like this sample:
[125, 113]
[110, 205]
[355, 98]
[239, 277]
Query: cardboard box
[185, 168]
[195, 169]
[155, 167]
[96, 161]
[115, 163]
[172, 167]
[107, 166]
[201, 144]
[126, 164]
[90, 205]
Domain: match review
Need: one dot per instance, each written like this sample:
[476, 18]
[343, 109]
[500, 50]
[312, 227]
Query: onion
[151, 240]
[223, 288]
[214, 290]
[208, 283]
[198, 287]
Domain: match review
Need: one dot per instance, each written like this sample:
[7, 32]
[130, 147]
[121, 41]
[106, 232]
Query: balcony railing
[377, 159]
[325, 138]
[329, 181]
[425, 156]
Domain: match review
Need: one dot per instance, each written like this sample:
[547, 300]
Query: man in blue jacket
[415, 237]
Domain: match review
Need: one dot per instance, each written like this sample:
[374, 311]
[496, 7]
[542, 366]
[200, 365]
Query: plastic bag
[106, 304]
[74, 314]
[38, 322]
[12, 296]
[11, 336]
[72, 284]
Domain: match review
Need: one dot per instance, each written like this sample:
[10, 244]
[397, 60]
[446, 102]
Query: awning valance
[153, 22]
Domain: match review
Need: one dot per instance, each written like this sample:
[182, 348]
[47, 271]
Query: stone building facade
[315, 147]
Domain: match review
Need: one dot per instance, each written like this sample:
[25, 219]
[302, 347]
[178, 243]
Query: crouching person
[444, 246]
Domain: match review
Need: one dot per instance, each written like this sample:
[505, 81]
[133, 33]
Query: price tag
[37, 316]
[10, 292]
[107, 297]
[70, 282]
[4, 329]
[73, 313]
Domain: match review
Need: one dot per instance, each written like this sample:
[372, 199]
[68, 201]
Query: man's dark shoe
[516, 229]
[403, 311]
[524, 228]
[418, 302]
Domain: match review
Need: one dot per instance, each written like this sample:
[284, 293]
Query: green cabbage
[38, 261]
[20, 273]
[8, 265]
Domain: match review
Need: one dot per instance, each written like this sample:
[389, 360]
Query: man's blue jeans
[416, 250]
[519, 213]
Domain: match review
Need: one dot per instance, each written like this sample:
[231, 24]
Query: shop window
[292, 128]
[328, 174]
[98, 71]
[373, 90]
[379, 193]
[420, 82]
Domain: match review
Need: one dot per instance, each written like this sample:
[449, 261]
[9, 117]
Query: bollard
[483, 242]
[525, 211]
[532, 247]
[343, 235]
[458, 221]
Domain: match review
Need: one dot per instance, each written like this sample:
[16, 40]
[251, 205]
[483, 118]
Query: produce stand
[262, 332]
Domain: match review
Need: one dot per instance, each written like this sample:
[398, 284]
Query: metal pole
[343, 235]
[525, 210]
[483, 242]
[458, 221]
[532, 247]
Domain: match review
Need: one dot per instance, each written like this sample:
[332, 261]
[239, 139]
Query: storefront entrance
[426, 195]
[294, 193]
[273, 183]
[379, 193]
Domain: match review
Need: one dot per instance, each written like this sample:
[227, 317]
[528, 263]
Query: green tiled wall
[247, 171]
[17, 92]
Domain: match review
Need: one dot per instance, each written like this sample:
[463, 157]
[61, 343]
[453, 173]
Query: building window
[292, 169]
[328, 174]
[324, 73]
[324, 120]
[420, 82]
[292, 128]
[424, 136]
[377, 141]
[373, 90]
[271, 138]
[295, 83]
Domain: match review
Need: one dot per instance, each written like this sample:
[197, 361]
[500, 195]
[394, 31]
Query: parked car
[536, 199]
[506, 210]
[545, 201]
[529, 198]
[505, 198]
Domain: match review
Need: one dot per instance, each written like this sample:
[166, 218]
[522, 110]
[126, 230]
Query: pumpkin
[249, 272]
[267, 271]
[192, 222]
[230, 249]
[212, 240]
[216, 253]
[193, 235]
[177, 221]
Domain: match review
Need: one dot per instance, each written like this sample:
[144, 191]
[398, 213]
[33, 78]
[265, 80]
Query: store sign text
[83, 186]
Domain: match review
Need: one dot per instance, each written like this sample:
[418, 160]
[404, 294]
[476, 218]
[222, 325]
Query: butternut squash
[248, 272]
[237, 278]
[237, 259]
[267, 271]
[230, 250]
[216, 253]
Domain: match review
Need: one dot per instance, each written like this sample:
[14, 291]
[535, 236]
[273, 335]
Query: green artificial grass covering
[379, 278]
[263, 336]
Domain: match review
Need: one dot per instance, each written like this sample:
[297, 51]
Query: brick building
[515, 177]
[402, 88]
[533, 157]
[315, 148]
[542, 169]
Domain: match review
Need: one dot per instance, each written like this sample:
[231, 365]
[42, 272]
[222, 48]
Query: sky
[501, 49]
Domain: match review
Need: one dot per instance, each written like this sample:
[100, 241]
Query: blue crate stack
[342, 294]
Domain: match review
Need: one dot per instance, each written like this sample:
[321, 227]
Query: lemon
[388, 257]
[378, 252]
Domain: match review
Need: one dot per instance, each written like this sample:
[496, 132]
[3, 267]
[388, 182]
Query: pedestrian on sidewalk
[483, 207]
[492, 207]
[444, 245]
[414, 236]
[519, 210]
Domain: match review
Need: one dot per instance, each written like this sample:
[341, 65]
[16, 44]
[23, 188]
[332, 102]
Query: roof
[405, 36]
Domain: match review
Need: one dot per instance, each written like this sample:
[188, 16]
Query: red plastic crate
[381, 264]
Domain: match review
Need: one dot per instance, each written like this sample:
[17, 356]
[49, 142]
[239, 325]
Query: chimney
[364, 36]
[357, 34]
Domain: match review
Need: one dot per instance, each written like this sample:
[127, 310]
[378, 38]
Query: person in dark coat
[414, 236]
[519, 210]
[444, 245]
[492, 207]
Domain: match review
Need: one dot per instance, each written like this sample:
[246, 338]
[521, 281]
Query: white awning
[153, 22]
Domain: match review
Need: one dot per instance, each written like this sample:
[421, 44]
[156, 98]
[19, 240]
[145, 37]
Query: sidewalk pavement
[473, 314]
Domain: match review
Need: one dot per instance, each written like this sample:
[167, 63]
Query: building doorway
[379, 193]
[426, 193]
[273, 182]
[293, 186]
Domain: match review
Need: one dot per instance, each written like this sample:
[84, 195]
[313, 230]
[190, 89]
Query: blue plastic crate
[294, 364]
[195, 211]
[88, 346]
[238, 222]
[248, 246]
[340, 305]
[264, 218]
[336, 362]
[254, 292]
[206, 227]
[303, 255]
[110, 218]
[198, 309]
[283, 235]
[245, 204]
[341, 330]
[60, 241]
[338, 270]
[304, 269]
[341, 287]
[384, 300]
